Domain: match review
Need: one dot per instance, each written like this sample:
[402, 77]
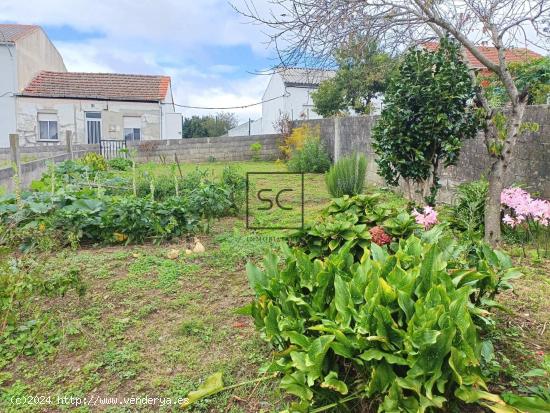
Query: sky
[211, 52]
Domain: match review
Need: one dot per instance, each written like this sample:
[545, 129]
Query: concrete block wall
[530, 164]
[225, 148]
[45, 151]
[34, 170]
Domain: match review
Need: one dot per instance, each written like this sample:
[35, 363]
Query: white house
[25, 50]
[40, 100]
[95, 106]
[288, 93]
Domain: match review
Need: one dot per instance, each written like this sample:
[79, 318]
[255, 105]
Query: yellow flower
[120, 237]
[42, 227]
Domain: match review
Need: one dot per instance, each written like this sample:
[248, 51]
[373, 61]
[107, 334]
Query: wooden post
[69, 139]
[336, 139]
[15, 154]
[16, 164]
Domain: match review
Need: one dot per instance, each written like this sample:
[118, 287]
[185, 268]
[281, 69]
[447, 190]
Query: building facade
[288, 94]
[40, 100]
[25, 50]
[96, 106]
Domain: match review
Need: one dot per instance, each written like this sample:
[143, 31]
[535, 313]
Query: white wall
[71, 116]
[271, 110]
[299, 104]
[35, 52]
[8, 86]
[296, 103]
[19, 63]
[244, 129]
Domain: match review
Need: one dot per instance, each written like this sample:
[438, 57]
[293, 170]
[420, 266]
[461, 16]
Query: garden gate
[112, 148]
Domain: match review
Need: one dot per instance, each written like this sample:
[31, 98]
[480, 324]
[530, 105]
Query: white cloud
[181, 24]
[191, 85]
[158, 37]
[81, 58]
[238, 93]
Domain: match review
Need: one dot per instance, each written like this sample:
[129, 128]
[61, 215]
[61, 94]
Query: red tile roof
[511, 55]
[12, 32]
[100, 86]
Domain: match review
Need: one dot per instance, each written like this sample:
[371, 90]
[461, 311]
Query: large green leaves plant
[394, 328]
[347, 220]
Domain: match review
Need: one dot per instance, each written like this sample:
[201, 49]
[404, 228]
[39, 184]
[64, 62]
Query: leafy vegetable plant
[396, 329]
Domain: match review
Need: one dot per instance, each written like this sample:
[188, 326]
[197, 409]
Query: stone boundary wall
[34, 170]
[530, 164]
[45, 151]
[224, 148]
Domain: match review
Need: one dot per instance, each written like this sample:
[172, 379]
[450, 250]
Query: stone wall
[530, 165]
[34, 170]
[225, 148]
[40, 151]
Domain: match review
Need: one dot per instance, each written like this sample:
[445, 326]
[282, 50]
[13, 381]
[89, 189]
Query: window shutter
[47, 117]
[132, 122]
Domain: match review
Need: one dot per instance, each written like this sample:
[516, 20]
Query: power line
[224, 108]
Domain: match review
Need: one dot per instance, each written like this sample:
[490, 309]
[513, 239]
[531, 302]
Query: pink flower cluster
[427, 218]
[524, 207]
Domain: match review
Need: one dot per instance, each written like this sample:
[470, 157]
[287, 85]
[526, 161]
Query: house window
[132, 128]
[47, 125]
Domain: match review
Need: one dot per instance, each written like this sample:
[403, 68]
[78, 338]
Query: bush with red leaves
[379, 236]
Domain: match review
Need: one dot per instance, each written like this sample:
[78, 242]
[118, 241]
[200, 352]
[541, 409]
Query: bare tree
[309, 31]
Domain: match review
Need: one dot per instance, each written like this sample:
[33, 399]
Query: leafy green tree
[363, 72]
[532, 76]
[194, 127]
[329, 99]
[427, 114]
[208, 126]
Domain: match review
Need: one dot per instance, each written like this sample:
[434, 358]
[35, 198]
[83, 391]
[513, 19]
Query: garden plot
[134, 320]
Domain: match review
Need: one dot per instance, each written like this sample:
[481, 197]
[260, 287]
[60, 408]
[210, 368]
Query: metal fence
[112, 148]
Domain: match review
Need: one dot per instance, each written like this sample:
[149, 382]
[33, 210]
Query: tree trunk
[492, 204]
[498, 172]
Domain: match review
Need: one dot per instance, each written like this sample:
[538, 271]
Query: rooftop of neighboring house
[10, 33]
[511, 55]
[99, 86]
[303, 77]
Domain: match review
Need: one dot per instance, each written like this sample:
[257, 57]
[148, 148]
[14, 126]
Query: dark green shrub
[427, 114]
[312, 157]
[347, 176]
